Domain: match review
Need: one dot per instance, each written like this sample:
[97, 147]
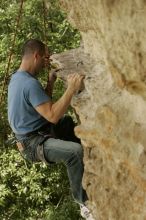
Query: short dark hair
[33, 45]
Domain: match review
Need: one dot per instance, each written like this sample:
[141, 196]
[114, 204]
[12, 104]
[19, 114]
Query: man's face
[43, 61]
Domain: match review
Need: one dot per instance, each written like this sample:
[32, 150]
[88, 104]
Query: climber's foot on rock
[85, 213]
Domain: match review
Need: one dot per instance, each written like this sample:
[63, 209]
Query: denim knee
[78, 149]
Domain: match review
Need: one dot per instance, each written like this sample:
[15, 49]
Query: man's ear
[36, 55]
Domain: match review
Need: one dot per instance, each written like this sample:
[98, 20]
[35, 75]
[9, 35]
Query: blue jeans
[71, 154]
[65, 147]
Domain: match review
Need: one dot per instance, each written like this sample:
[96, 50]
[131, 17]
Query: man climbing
[38, 122]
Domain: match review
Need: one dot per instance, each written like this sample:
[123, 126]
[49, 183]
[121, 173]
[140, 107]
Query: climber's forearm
[49, 89]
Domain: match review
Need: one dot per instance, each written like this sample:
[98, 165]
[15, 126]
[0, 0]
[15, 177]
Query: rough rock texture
[112, 107]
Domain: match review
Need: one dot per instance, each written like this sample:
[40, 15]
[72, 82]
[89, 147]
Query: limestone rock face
[112, 107]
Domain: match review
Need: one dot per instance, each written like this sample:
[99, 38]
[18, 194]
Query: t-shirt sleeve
[36, 94]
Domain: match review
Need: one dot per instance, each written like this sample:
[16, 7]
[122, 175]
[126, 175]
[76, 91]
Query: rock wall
[112, 107]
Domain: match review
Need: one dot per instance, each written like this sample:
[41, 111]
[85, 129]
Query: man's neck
[27, 68]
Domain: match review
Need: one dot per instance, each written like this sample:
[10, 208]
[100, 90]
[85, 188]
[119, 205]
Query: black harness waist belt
[45, 130]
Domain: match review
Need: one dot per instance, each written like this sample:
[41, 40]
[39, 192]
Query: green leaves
[33, 186]
[32, 191]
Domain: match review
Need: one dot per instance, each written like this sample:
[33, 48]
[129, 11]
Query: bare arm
[50, 83]
[54, 111]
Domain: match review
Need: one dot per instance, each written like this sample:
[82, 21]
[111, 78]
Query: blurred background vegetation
[32, 191]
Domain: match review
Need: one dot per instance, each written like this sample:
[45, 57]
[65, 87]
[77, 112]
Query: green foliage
[32, 191]
[29, 191]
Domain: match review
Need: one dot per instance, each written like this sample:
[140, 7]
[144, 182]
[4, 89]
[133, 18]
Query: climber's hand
[75, 81]
[53, 76]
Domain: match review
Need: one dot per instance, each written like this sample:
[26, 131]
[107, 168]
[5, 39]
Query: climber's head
[35, 55]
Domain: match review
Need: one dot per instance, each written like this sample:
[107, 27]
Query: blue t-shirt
[25, 93]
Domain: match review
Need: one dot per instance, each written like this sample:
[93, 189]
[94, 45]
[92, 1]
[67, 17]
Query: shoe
[85, 213]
